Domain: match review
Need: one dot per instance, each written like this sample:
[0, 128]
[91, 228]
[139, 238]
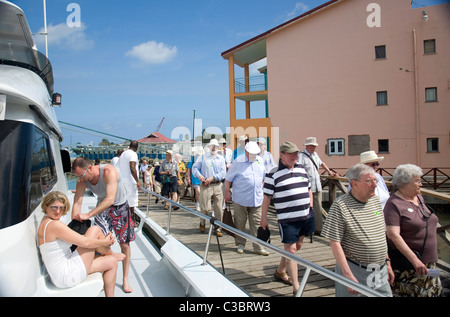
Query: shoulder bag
[227, 218]
[165, 179]
[309, 156]
[398, 260]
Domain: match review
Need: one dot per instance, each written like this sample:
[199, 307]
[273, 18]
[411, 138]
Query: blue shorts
[292, 231]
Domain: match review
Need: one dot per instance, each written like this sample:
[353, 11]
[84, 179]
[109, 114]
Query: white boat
[33, 164]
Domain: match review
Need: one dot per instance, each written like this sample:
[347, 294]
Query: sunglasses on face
[84, 174]
[55, 208]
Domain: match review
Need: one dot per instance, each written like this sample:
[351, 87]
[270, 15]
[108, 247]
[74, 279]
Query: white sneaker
[240, 249]
[261, 251]
[197, 206]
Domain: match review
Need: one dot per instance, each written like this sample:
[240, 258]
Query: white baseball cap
[213, 142]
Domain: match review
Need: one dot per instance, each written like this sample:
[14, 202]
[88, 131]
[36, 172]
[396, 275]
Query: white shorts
[132, 193]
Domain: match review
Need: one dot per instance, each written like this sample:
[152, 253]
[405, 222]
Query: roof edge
[263, 35]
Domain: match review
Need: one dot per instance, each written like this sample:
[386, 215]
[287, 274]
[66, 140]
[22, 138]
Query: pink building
[357, 74]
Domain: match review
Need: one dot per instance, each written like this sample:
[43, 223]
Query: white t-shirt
[124, 165]
[115, 161]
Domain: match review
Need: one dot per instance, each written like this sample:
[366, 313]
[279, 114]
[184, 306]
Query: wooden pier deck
[252, 272]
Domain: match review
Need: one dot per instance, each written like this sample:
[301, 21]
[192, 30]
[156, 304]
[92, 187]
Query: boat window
[24, 56]
[27, 168]
[43, 172]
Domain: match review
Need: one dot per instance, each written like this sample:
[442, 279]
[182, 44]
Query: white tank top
[100, 188]
[66, 269]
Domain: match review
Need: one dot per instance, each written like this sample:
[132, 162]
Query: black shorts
[292, 231]
[172, 187]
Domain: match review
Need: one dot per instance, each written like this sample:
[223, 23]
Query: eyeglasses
[369, 181]
[376, 164]
[56, 208]
[84, 174]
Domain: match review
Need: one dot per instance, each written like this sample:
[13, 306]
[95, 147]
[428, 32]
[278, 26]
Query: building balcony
[254, 83]
[251, 88]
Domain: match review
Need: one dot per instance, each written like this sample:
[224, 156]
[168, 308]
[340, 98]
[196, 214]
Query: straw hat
[252, 148]
[311, 141]
[370, 157]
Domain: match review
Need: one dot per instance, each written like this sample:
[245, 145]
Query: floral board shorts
[117, 219]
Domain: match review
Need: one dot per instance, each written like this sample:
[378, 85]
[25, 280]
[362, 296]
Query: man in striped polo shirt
[290, 188]
[357, 232]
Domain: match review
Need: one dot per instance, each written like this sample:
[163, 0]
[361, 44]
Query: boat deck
[252, 272]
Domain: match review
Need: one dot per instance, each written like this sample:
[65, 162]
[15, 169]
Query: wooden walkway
[253, 273]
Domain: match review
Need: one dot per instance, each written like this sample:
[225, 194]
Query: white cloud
[253, 69]
[300, 7]
[63, 36]
[153, 53]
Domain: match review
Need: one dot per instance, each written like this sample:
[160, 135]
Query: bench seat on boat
[91, 286]
[203, 279]
[23, 272]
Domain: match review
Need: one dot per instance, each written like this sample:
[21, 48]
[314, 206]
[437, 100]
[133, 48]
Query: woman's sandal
[282, 277]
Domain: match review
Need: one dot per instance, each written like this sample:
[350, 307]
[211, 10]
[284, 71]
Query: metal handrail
[363, 289]
[250, 84]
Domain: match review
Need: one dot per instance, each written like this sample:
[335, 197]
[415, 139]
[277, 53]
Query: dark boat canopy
[17, 46]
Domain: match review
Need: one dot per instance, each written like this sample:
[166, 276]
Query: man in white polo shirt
[246, 176]
[210, 169]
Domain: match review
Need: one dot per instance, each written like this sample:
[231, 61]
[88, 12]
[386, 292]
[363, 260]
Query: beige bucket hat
[311, 141]
[370, 157]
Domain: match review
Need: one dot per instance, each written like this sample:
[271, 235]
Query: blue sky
[131, 63]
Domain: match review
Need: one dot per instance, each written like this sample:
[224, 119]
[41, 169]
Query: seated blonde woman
[67, 268]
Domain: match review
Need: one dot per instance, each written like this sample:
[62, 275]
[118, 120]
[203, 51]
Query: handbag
[264, 234]
[80, 227]
[165, 179]
[227, 218]
[398, 260]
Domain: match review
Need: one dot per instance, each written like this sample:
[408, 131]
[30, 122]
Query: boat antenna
[45, 30]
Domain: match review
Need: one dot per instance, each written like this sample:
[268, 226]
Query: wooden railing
[435, 177]
[334, 183]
